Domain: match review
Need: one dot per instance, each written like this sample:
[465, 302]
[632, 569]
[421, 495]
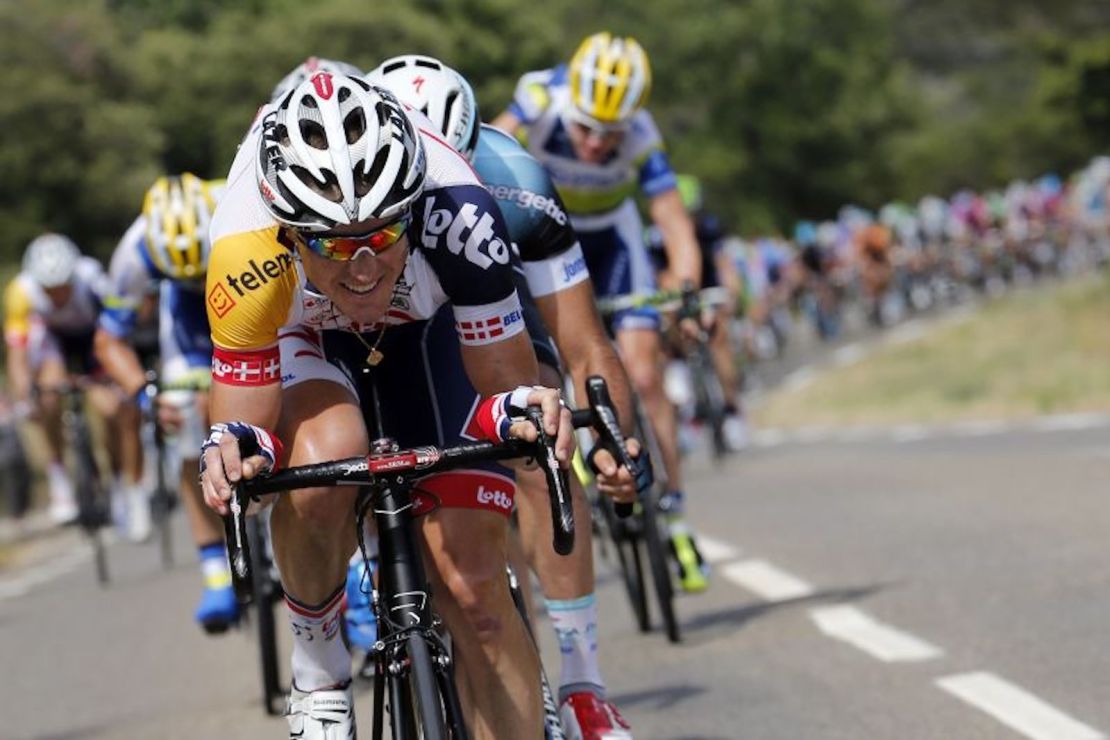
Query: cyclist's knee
[322, 509]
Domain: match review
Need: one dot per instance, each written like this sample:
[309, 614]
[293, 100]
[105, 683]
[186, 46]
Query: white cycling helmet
[51, 260]
[309, 67]
[335, 150]
[437, 91]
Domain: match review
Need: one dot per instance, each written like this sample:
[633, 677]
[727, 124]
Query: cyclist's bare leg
[122, 426]
[640, 350]
[50, 376]
[313, 530]
[497, 669]
[724, 361]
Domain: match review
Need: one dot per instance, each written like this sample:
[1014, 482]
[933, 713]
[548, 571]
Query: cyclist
[347, 215]
[50, 313]
[585, 122]
[715, 267]
[551, 272]
[168, 244]
[309, 67]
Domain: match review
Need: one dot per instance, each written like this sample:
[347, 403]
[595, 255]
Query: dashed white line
[878, 640]
[799, 379]
[716, 551]
[910, 433]
[980, 428]
[767, 581]
[1016, 708]
[24, 582]
[849, 354]
[1070, 422]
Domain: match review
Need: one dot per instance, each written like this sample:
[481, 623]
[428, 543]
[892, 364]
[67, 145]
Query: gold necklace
[375, 355]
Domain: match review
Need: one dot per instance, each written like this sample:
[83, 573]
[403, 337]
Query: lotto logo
[500, 499]
[220, 301]
[465, 231]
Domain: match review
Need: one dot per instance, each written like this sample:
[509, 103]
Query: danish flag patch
[261, 367]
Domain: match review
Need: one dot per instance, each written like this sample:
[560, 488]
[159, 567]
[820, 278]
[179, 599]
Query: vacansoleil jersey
[25, 302]
[131, 273]
[550, 255]
[459, 254]
[639, 162]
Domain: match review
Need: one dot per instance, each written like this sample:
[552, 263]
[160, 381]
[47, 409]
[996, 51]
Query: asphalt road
[955, 587]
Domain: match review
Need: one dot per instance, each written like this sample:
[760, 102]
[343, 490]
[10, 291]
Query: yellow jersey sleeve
[252, 282]
[17, 314]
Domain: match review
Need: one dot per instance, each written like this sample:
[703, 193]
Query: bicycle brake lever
[611, 437]
[238, 546]
[562, 511]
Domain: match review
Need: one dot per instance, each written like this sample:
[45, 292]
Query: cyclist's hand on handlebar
[234, 452]
[615, 480]
[556, 423]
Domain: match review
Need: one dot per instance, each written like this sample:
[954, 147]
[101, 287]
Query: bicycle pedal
[218, 627]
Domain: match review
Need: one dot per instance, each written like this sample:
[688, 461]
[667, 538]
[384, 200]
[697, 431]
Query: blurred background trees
[786, 109]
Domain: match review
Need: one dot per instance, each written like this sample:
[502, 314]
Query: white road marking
[48, 571]
[1016, 708]
[980, 428]
[907, 332]
[849, 354]
[1070, 422]
[769, 437]
[878, 640]
[767, 581]
[910, 433]
[715, 550]
[798, 379]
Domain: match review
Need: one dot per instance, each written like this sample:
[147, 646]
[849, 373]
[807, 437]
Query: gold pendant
[374, 357]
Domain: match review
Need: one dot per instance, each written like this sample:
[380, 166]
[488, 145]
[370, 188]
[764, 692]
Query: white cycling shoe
[326, 714]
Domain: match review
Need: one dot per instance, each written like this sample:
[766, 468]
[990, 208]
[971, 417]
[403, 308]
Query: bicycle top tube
[664, 300]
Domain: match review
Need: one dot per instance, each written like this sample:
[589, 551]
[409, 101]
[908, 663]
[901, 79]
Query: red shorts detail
[465, 489]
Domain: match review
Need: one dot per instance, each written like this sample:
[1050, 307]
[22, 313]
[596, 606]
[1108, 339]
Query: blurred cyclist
[50, 314]
[585, 122]
[168, 243]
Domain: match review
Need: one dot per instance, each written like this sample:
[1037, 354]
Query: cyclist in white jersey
[50, 313]
[311, 249]
[555, 289]
[168, 244]
[586, 124]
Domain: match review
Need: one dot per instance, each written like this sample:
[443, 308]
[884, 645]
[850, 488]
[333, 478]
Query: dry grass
[1033, 353]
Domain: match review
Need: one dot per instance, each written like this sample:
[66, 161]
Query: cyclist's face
[60, 294]
[362, 287]
[593, 144]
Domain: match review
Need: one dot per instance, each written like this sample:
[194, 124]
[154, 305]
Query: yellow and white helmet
[610, 77]
[178, 210]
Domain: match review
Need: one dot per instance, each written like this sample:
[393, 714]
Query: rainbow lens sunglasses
[344, 248]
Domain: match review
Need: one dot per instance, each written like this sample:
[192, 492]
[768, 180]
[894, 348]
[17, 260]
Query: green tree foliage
[786, 109]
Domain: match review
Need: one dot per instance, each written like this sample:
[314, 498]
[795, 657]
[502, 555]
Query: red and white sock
[320, 659]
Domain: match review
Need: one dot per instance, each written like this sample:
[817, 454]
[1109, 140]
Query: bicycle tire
[265, 595]
[90, 501]
[427, 702]
[711, 400]
[624, 541]
[658, 556]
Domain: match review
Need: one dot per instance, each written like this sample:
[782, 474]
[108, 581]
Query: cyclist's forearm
[19, 373]
[679, 239]
[257, 405]
[119, 361]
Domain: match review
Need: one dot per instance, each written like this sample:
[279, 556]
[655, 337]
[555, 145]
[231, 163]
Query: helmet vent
[354, 125]
[313, 134]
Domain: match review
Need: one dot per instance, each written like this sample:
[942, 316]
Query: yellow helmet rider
[178, 210]
[610, 78]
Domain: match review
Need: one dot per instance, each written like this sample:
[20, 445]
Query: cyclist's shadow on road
[706, 627]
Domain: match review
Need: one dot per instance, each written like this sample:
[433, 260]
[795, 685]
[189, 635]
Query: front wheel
[266, 593]
[425, 690]
[656, 543]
